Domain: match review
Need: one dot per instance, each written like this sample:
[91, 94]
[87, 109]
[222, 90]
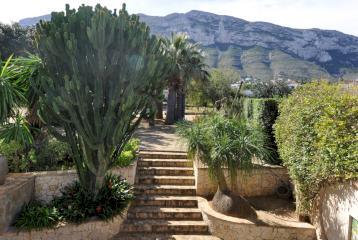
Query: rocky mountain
[259, 49]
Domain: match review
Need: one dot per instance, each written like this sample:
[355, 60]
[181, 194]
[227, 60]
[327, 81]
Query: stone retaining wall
[20, 188]
[49, 184]
[230, 228]
[263, 180]
[17, 190]
[92, 230]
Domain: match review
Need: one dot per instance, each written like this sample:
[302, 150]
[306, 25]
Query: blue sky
[339, 15]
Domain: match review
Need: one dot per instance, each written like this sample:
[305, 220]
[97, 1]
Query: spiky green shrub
[76, 205]
[36, 215]
[221, 142]
[101, 71]
[316, 133]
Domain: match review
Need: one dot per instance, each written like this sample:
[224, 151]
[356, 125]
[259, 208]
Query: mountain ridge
[260, 49]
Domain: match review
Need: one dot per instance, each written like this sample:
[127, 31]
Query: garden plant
[224, 143]
[316, 134]
[187, 60]
[100, 71]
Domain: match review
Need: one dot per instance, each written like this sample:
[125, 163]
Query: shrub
[77, 205]
[128, 154]
[316, 134]
[261, 113]
[14, 154]
[36, 215]
[221, 142]
[269, 89]
[51, 155]
[113, 197]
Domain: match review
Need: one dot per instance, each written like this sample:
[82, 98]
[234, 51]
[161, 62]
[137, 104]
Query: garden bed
[93, 229]
[20, 188]
[266, 226]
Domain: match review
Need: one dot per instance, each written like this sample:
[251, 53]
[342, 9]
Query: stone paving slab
[160, 137]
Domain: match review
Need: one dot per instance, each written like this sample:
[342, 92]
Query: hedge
[317, 137]
[262, 113]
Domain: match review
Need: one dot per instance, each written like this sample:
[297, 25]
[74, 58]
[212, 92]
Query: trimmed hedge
[317, 137]
[262, 113]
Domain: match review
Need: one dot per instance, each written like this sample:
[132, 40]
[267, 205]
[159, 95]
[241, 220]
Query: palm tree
[12, 91]
[16, 95]
[188, 63]
[220, 143]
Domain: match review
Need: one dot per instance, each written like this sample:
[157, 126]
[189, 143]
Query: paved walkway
[160, 137]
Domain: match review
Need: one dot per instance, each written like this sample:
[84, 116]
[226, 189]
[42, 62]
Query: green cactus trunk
[102, 70]
[97, 164]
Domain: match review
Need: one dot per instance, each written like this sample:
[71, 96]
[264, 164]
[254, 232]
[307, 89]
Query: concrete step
[135, 236]
[164, 226]
[166, 171]
[142, 213]
[166, 201]
[165, 190]
[167, 180]
[164, 163]
[163, 155]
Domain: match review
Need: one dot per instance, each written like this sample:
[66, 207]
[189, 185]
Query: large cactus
[101, 70]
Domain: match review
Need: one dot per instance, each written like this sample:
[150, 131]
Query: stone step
[164, 163]
[166, 201]
[193, 214]
[165, 190]
[164, 226]
[135, 236]
[163, 155]
[167, 180]
[166, 171]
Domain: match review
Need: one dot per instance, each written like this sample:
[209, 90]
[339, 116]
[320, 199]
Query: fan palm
[187, 64]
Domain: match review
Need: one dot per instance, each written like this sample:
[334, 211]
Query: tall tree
[15, 40]
[102, 70]
[188, 63]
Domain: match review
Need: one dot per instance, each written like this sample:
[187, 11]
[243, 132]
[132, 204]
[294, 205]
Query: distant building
[292, 83]
[248, 93]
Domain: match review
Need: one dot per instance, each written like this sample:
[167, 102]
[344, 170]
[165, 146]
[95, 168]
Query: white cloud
[326, 14]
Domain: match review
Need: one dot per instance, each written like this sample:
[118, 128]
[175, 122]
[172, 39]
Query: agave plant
[224, 143]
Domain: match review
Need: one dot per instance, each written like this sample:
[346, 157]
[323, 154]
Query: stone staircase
[166, 206]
